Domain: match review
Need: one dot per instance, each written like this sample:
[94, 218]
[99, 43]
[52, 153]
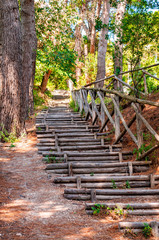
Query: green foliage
[7, 137]
[92, 174]
[128, 207]
[54, 26]
[97, 208]
[118, 211]
[127, 184]
[147, 231]
[142, 149]
[74, 106]
[114, 186]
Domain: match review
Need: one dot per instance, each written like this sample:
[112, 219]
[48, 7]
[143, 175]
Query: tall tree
[118, 51]
[11, 84]
[102, 45]
[29, 44]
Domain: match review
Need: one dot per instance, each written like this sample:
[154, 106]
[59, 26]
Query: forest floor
[33, 208]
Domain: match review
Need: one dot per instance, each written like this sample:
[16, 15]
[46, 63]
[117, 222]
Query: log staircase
[82, 159]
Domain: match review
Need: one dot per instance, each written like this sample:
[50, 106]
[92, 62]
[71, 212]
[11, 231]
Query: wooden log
[127, 85]
[147, 73]
[124, 131]
[114, 192]
[152, 180]
[106, 121]
[148, 152]
[105, 109]
[145, 84]
[112, 76]
[152, 131]
[135, 206]
[135, 225]
[93, 195]
[130, 168]
[130, 98]
[70, 169]
[154, 225]
[78, 182]
[104, 179]
[124, 123]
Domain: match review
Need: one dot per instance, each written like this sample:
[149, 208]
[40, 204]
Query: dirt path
[33, 208]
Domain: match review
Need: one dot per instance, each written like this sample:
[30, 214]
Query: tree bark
[45, 80]
[78, 50]
[11, 84]
[28, 50]
[93, 31]
[102, 45]
[118, 58]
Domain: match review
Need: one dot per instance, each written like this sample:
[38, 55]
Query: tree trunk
[86, 64]
[78, 50]
[102, 45]
[93, 31]
[118, 58]
[28, 48]
[11, 83]
[45, 81]
[34, 48]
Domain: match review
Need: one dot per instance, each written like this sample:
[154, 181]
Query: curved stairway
[91, 169]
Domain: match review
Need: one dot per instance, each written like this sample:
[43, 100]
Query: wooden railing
[104, 106]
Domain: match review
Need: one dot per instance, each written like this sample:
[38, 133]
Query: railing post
[102, 109]
[145, 84]
[139, 127]
[117, 118]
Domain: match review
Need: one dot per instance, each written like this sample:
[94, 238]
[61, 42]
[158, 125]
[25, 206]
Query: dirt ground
[32, 208]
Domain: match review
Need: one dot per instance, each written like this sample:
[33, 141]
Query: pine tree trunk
[93, 31]
[45, 81]
[118, 58]
[102, 45]
[28, 48]
[11, 84]
[78, 50]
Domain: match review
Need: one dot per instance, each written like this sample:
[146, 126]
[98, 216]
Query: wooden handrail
[122, 73]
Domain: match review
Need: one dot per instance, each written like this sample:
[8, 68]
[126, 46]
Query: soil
[33, 208]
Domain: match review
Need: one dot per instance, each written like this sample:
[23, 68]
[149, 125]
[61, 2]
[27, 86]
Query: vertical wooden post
[70, 170]
[154, 226]
[78, 182]
[139, 127]
[102, 109]
[117, 118]
[93, 195]
[130, 168]
[120, 157]
[81, 100]
[152, 180]
[65, 158]
[145, 84]
[93, 110]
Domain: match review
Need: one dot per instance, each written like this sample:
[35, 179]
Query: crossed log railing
[86, 99]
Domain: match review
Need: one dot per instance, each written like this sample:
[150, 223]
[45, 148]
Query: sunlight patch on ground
[84, 232]
[14, 210]
[4, 159]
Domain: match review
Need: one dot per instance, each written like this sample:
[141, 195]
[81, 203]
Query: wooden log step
[68, 140]
[88, 148]
[140, 209]
[98, 165]
[115, 192]
[72, 135]
[74, 126]
[107, 194]
[46, 135]
[134, 206]
[47, 140]
[141, 184]
[103, 179]
[139, 226]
